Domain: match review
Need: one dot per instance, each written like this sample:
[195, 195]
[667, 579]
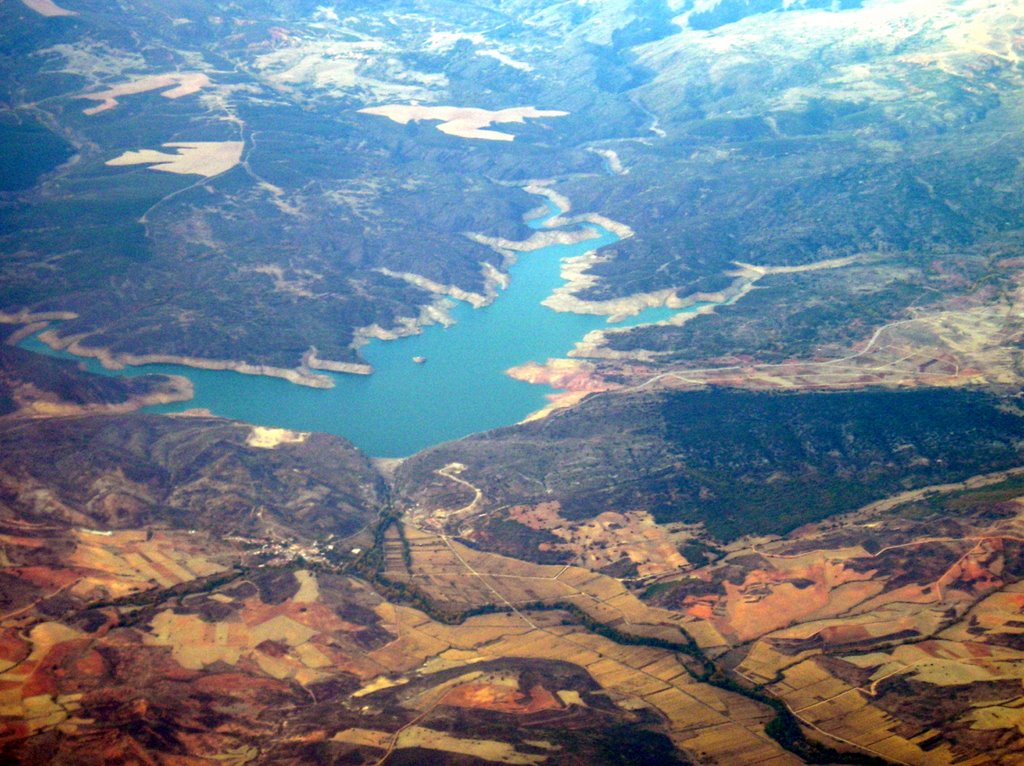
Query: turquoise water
[404, 407]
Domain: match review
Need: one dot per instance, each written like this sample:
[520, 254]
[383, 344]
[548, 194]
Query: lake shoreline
[480, 352]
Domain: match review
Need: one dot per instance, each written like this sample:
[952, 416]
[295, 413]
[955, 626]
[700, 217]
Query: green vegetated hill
[767, 132]
[130, 471]
[791, 138]
[738, 462]
[284, 250]
[814, 314]
[26, 377]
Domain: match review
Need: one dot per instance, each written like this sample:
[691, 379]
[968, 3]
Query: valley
[625, 382]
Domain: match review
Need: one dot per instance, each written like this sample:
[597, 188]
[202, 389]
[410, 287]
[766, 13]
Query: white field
[48, 8]
[464, 122]
[505, 59]
[178, 83]
[268, 438]
[203, 158]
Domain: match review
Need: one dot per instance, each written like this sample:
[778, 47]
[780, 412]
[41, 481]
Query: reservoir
[404, 406]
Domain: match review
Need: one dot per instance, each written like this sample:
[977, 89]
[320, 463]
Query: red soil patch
[503, 699]
[238, 685]
[12, 647]
[44, 679]
[701, 611]
[933, 649]
[317, 616]
[24, 542]
[40, 682]
[90, 665]
[135, 661]
[272, 648]
[47, 578]
[843, 634]
[541, 516]
[11, 731]
[977, 650]
[1016, 599]
[971, 572]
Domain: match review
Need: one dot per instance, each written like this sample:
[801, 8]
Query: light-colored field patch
[608, 538]
[464, 122]
[364, 737]
[193, 643]
[178, 84]
[309, 590]
[946, 663]
[286, 641]
[124, 561]
[502, 695]
[768, 600]
[268, 438]
[999, 613]
[48, 8]
[997, 717]
[831, 704]
[203, 158]
[505, 59]
[488, 749]
[381, 682]
[571, 697]
[635, 677]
